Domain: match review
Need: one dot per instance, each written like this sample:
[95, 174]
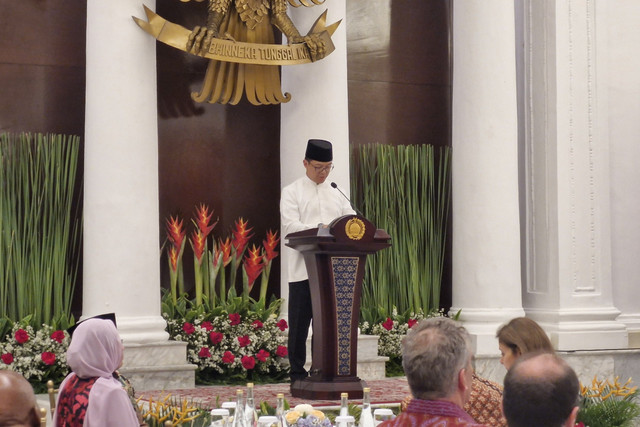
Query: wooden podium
[335, 258]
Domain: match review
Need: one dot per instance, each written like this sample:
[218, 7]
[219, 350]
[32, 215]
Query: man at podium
[307, 203]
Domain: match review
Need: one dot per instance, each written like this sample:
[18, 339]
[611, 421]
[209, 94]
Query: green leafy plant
[40, 226]
[608, 404]
[406, 191]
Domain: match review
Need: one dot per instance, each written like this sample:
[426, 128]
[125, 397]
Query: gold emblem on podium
[355, 228]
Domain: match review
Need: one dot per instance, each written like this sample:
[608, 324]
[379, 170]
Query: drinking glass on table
[345, 421]
[220, 417]
[382, 414]
[267, 421]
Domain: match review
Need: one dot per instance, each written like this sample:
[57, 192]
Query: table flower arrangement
[304, 415]
[607, 403]
[39, 355]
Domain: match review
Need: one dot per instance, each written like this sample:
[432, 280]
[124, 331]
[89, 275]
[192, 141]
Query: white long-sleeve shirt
[303, 205]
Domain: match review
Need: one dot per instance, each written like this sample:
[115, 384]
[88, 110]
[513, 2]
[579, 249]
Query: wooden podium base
[316, 388]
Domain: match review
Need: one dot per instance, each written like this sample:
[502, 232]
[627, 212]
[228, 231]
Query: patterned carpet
[388, 391]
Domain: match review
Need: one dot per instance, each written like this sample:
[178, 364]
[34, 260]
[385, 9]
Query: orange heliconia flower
[175, 231]
[270, 245]
[199, 243]
[202, 219]
[225, 248]
[173, 258]
[253, 265]
[241, 235]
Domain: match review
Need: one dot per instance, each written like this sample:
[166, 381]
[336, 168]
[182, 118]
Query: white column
[568, 282]
[486, 233]
[624, 131]
[121, 247]
[318, 109]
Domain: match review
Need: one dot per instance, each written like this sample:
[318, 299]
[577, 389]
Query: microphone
[334, 185]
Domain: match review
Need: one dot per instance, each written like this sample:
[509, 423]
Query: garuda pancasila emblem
[239, 41]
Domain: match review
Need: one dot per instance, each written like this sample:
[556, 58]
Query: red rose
[57, 336]
[228, 357]
[282, 351]
[244, 340]
[216, 337]
[411, 322]
[248, 362]
[21, 336]
[48, 358]
[204, 353]
[263, 355]
[207, 326]
[257, 324]
[234, 319]
[282, 324]
[188, 328]
[388, 324]
[7, 358]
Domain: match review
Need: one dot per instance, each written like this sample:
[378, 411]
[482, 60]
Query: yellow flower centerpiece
[304, 415]
[608, 404]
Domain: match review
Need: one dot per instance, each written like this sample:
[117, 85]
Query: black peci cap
[319, 150]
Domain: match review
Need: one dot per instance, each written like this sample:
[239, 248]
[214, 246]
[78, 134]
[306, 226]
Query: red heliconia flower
[207, 326]
[202, 220]
[204, 353]
[21, 336]
[57, 336]
[48, 358]
[282, 351]
[175, 231]
[388, 324]
[263, 355]
[253, 265]
[244, 340]
[411, 322]
[225, 248]
[198, 243]
[248, 362]
[7, 358]
[270, 245]
[216, 337]
[257, 324]
[241, 235]
[234, 319]
[173, 257]
[228, 357]
[282, 324]
[188, 328]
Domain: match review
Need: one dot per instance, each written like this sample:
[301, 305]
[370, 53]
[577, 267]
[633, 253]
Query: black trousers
[300, 314]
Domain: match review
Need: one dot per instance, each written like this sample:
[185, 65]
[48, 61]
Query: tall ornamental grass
[40, 229]
[404, 190]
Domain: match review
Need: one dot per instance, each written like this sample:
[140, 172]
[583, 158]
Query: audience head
[17, 402]
[520, 336]
[436, 357]
[540, 390]
[96, 349]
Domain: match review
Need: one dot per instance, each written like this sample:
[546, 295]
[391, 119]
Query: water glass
[231, 407]
[382, 414]
[219, 417]
[345, 421]
[267, 421]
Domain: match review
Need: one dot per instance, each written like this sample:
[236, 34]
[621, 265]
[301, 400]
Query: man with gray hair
[17, 401]
[436, 357]
[540, 390]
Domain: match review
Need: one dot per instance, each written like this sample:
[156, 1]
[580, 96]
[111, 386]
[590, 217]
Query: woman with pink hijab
[90, 395]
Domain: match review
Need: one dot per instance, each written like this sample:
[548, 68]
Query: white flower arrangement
[232, 344]
[304, 415]
[37, 355]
